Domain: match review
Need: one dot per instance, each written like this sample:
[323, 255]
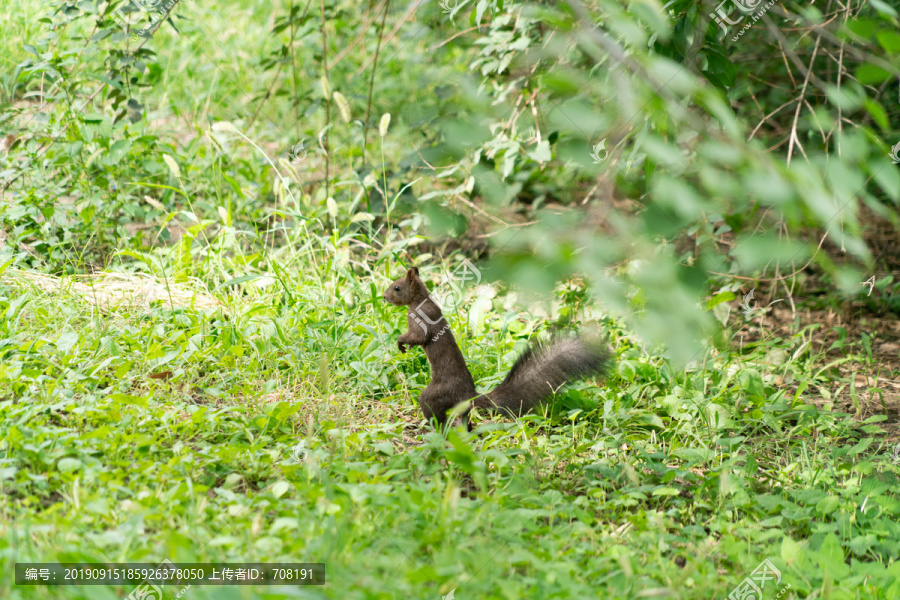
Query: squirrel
[537, 374]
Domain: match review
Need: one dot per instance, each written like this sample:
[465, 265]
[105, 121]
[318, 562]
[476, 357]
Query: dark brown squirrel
[537, 374]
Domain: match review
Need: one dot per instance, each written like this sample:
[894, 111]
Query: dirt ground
[875, 382]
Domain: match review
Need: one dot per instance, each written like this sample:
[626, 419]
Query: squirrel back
[537, 374]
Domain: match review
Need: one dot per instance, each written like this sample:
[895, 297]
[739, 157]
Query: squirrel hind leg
[438, 418]
[433, 409]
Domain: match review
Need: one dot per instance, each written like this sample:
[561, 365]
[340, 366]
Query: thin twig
[493, 233]
[365, 29]
[769, 116]
[809, 75]
[451, 38]
[327, 100]
[840, 73]
[537, 127]
[791, 54]
[409, 12]
[387, 4]
[275, 81]
[294, 72]
[822, 241]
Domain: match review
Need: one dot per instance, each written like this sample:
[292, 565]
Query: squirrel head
[406, 290]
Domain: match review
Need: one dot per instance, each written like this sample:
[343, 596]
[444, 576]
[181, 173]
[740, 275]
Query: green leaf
[462, 454]
[889, 40]
[844, 97]
[862, 445]
[6, 266]
[480, 9]
[66, 342]
[831, 557]
[385, 448]
[123, 369]
[828, 505]
[884, 8]
[68, 465]
[280, 489]
[541, 152]
[878, 114]
[790, 550]
[719, 298]
[237, 280]
[117, 151]
[234, 185]
[876, 419]
[888, 179]
[869, 74]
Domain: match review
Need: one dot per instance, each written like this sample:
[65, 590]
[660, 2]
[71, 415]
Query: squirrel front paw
[402, 346]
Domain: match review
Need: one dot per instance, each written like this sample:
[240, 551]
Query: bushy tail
[544, 368]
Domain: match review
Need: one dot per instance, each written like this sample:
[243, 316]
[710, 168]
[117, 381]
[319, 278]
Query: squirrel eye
[396, 288]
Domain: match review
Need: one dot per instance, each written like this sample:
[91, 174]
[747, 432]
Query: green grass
[656, 480]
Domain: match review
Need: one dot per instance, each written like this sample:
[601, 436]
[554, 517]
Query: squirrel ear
[412, 273]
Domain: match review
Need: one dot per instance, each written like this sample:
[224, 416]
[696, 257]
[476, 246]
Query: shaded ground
[859, 337]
